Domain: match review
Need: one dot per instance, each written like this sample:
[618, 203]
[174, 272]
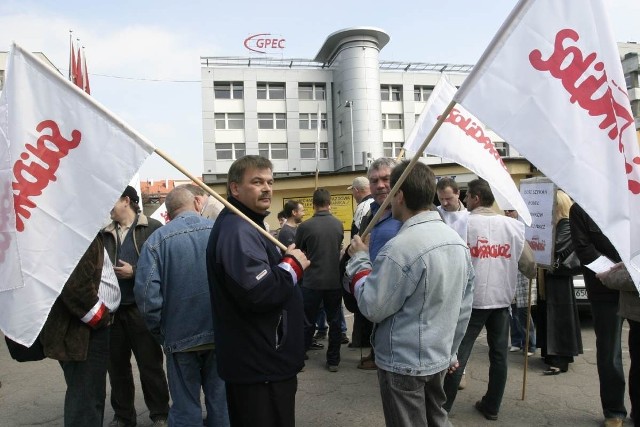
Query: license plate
[581, 293]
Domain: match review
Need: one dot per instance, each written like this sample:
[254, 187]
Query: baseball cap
[131, 193]
[359, 182]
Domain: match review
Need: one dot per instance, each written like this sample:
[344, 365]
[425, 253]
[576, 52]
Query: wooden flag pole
[400, 155]
[218, 197]
[412, 163]
[526, 342]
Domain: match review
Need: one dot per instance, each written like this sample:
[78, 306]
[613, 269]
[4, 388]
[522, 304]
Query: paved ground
[32, 394]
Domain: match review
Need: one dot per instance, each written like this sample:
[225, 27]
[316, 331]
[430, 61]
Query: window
[311, 91]
[272, 121]
[310, 121]
[502, 148]
[340, 131]
[276, 151]
[270, 90]
[229, 120]
[422, 93]
[230, 151]
[228, 90]
[392, 121]
[308, 150]
[390, 93]
[392, 149]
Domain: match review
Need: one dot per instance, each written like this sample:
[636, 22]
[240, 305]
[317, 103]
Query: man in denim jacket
[419, 292]
[172, 293]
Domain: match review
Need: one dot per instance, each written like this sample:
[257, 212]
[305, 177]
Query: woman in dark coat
[559, 335]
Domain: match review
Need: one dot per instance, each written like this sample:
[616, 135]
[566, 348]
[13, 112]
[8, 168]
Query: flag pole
[318, 148]
[412, 163]
[526, 343]
[400, 155]
[218, 197]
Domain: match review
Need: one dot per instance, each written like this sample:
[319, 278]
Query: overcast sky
[143, 56]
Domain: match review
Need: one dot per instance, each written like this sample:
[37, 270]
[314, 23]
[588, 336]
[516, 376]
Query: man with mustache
[379, 175]
[257, 305]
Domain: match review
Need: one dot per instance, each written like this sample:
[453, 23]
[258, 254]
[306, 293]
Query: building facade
[366, 107]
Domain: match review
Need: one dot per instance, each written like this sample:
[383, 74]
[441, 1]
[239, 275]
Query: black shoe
[344, 340]
[320, 335]
[315, 345]
[488, 415]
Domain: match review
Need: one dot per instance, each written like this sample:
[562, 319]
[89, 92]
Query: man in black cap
[123, 240]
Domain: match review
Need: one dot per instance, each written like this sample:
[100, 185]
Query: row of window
[268, 90]
[232, 121]
[274, 151]
[310, 91]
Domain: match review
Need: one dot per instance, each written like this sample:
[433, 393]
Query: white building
[368, 107]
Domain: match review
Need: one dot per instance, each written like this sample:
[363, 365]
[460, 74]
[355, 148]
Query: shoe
[463, 382]
[344, 340]
[531, 353]
[613, 422]
[488, 415]
[367, 365]
[320, 335]
[315, 345]
[332, 368]
[160, 422]
[367, 357]
[554, 371]
[513, 349]
[119, 422]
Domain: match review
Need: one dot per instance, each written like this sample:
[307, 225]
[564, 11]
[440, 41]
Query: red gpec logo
[261, 42]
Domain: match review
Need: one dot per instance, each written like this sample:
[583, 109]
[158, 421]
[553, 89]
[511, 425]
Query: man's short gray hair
[382, 162]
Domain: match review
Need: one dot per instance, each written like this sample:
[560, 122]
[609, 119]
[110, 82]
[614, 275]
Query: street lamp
[349, 105]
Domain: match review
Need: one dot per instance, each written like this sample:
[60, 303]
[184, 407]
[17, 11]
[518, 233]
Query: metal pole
[353, 145]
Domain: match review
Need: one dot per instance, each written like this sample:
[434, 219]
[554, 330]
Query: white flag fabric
[464, 140]
[64, 161]
[161, 214]
[551, 83]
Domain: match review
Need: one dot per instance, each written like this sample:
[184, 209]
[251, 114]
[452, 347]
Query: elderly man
[257, 305]
[362, 193]
[123, 240]
[419, 291]
[498, 250]
[172, 292]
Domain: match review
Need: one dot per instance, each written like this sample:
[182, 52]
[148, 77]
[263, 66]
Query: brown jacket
[64, 336]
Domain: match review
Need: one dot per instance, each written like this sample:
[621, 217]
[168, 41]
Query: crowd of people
[232, 316]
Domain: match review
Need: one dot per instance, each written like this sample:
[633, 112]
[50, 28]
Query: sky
[143, 57]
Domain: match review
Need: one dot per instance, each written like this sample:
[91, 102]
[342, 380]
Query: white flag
[464, 140]
[551, 83]
[161, 214]
[64, 161]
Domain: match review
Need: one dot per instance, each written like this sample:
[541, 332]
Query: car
[580, 292]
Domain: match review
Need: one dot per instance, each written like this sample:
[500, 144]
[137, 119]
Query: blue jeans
[86, 383]
[188, 372]
[332, 300]
[497, 323]
[607, 326]
[519, 327]
[321, 321]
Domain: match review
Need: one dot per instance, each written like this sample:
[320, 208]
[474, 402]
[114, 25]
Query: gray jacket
[420, 293]
[620, 279]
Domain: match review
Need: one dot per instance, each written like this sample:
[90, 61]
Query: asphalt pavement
[32, 393]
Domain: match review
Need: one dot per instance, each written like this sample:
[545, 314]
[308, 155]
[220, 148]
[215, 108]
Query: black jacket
[258, 311]
[590, 243]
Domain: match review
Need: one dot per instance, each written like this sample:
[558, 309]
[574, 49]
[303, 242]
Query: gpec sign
[262, 42]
